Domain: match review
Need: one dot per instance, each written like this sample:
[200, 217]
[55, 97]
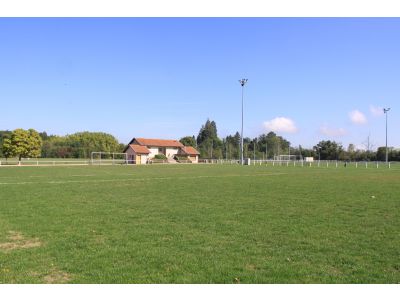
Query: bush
[160, 156]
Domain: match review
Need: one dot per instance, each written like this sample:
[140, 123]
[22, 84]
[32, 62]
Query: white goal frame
[110, 161]
[286, 157]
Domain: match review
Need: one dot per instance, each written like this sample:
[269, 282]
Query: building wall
[144, 158]
[130, 153]
[153, 151]
[170, 152]
[194, 158]
[132, 157]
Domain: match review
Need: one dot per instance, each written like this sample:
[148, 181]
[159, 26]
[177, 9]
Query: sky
[309, 79]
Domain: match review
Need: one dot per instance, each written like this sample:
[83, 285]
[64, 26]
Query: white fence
[272, 163]
[302, 163]
[44, 162]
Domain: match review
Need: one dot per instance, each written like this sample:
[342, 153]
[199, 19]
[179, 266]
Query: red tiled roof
[139, 149]
[159, 143]
[190, 150]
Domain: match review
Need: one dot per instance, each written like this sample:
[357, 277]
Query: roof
[139, 149]
[190, 150]
[159, 143]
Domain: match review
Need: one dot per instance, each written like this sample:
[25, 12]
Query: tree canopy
[80, 145]
[23, 144]
[188, 141]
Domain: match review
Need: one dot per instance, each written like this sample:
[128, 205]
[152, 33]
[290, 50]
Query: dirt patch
[250, 267]
[57, 276]
[17, 241]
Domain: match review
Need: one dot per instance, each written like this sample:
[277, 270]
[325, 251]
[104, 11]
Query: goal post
[284, 157]
[108, 158]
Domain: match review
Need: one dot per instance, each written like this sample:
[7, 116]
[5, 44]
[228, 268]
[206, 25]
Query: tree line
[271, 145]
[32, 144]
[22, 143]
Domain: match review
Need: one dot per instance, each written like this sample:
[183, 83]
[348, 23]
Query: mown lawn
[199, 224]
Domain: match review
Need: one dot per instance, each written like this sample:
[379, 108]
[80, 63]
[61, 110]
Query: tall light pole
[242, 83]
[385, 111]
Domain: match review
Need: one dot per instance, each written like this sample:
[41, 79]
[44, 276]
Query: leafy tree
[188, 141]
[23, 143]
[80, 145]
[272, 144]
[381, 153]
[329, 150]
[84, 143]
[3, 135]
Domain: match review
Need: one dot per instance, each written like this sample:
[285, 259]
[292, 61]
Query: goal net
[285, 157]
[108, 158]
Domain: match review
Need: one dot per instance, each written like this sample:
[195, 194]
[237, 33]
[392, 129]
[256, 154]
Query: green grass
[199, 224]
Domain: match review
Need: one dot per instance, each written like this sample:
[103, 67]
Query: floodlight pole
[242, 83]
[385, 111]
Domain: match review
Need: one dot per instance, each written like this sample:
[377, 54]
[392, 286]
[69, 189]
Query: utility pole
[385, 111]
[242, 83]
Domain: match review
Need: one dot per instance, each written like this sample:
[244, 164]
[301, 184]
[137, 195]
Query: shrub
[160, 156]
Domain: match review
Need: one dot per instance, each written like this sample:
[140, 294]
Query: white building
[140, 150]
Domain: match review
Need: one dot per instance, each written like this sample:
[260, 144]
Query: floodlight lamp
[243, 81]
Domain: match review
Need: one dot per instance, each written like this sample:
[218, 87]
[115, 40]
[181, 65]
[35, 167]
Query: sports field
[199, 224]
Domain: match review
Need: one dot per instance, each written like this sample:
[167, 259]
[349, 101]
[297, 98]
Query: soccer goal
[285, 157]
[108, 158]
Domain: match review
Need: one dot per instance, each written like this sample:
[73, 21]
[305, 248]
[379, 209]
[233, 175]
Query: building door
[138, 159]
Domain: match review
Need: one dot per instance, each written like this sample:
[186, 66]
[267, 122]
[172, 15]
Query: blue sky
[309, 79]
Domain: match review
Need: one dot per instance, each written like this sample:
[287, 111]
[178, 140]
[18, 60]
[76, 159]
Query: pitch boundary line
[137, 179]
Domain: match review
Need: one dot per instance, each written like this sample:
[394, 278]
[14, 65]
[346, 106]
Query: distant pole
[242, 83]
[254, 150]
[319, 155]
[385, 111]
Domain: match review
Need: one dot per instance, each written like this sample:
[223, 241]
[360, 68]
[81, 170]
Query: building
[141, 150]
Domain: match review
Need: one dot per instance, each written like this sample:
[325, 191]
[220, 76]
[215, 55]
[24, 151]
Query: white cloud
[333, 132]
[376, 111]
[281, 124]
[357, 117]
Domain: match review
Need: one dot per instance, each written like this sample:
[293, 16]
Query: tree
[208, 143]
[23, 143]
[84, 143]
[188, 141]
[328, 150]
[381, 153]
[3, 135]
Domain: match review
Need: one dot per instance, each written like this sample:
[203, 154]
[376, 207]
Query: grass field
[199, 224]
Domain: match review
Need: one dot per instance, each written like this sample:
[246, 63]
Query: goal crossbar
[108, 158]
